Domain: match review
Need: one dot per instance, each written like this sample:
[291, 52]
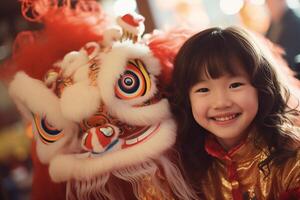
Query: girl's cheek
[199, 112]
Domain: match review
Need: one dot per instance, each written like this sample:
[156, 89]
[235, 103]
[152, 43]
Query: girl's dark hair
[214, 52]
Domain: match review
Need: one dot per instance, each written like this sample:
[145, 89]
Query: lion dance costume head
[95, 97]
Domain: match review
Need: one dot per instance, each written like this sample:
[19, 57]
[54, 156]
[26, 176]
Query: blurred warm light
[258, 22]
[293, 4]
[14, 144]
[191, 13]
[163, 4]
[183, 13]
[231, 7]
[122, 7]
[257, 2]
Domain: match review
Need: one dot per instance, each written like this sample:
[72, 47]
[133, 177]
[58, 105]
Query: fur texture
[67, 167]
[79, 101]
[38, 99]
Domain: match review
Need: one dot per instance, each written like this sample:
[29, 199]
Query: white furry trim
[111, 35]
[140, 116]
[34, 95]
[113, 65]
[79, 101]
[100, 188]
[81, 74]
[67, 167]
[46, 152]
[121, 52]
[72, 61]
[137, 174]
[152, 64]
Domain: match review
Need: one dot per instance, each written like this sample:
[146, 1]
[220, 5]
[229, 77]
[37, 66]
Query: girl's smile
[225, 118]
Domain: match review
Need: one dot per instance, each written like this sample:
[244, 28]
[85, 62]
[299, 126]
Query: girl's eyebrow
[203, 78]
[199, 81]
[238, 76]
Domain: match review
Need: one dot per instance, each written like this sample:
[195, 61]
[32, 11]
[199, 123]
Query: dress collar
[242, 152]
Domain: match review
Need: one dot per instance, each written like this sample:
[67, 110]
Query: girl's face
[225, 106]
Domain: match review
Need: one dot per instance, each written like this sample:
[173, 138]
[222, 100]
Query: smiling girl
[236, 137]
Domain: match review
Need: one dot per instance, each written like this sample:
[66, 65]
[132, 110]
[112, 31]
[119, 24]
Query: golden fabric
[250, 181]
[148, 191]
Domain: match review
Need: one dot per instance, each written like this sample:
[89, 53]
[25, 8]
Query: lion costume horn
[95, 98]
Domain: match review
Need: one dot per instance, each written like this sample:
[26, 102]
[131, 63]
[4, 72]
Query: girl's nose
[221, 100]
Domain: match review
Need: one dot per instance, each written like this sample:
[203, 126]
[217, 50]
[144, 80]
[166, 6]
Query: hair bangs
[217, 53]
[218, 64]
[216, 60]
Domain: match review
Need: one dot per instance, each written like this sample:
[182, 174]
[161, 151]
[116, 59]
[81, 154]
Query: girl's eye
[235, 85]
[202, 90]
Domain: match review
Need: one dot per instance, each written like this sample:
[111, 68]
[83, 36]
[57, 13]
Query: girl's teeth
[222, 119]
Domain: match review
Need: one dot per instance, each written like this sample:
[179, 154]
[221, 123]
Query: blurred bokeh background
[272, 18]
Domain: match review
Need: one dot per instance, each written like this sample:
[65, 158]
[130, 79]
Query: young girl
[235, 131]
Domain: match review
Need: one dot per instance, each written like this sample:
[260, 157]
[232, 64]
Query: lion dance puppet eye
[135, 82]
[47, 133]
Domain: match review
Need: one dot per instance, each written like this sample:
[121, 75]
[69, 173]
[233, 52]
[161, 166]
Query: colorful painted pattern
[135, 82]
[47, 133]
